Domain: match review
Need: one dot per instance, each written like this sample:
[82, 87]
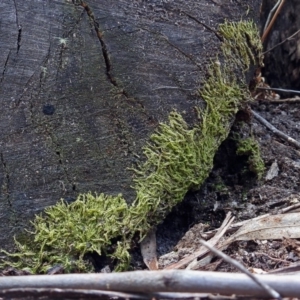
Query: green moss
[177, 158]
[250, 148]
[220, 186]
[87, 225]
[242, 44]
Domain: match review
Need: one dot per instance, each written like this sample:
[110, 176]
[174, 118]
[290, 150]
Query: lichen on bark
[177, 157]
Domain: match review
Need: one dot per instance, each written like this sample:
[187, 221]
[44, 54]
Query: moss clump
[242, 44]
[178, 157]
[250, 148]
[220, 186]
[65, 233]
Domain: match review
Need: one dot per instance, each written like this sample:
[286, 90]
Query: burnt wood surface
[84, 84]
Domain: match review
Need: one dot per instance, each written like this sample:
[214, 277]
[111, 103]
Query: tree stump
[84, 84]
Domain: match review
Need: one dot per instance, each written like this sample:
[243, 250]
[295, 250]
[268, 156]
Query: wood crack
[102, 42]
[5, 66]
[105, 53]
[6, 182]
[19, 28]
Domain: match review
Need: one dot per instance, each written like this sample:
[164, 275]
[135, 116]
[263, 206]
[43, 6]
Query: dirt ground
[232, 187]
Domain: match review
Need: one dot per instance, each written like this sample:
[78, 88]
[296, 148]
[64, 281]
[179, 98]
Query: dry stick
[202, 251]
[95, 294]
[192, 296]
[286, 100]
[234, 227]
[287, 39]
[240, 267]
[285, 270]
[146, 282]
[289, 208]
[171, 87]
[270, 257]
[275, 130]
[296, 152]
[278, 90]
[266, 32]
[67, 293]
[270, 14]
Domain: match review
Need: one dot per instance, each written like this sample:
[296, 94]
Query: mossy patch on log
[250, 147]
[177, 158]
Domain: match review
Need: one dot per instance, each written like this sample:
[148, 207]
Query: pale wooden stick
[159, 281]
[56, 293]
[275, 130]
[266, 32]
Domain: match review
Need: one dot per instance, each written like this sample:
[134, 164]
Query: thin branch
[287, 39]
[21, 293]
[266, 32]
[292, 268]
[272, 258]
[289, 208]
[191, 296]
[147, 282]
[172, 87]
[202, 251]
[234, 227]
[280, 144]
[271, 292]
[278, 90]
[270, 14]
[286, 100]
[275, 130]
[58, 293]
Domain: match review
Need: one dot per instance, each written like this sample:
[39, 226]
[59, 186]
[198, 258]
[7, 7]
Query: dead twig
[270, 14]
[289, 208]
[150, 282]
[278, 90]
[202, 251]
[275, 130]
[199, 296]
[267, 30]
[270, 291]
[292, 268]
[279, 144]
[58, 293]
[234, 227]
[286, 100]
[272, 258]
[287, 39]
[95, 294]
